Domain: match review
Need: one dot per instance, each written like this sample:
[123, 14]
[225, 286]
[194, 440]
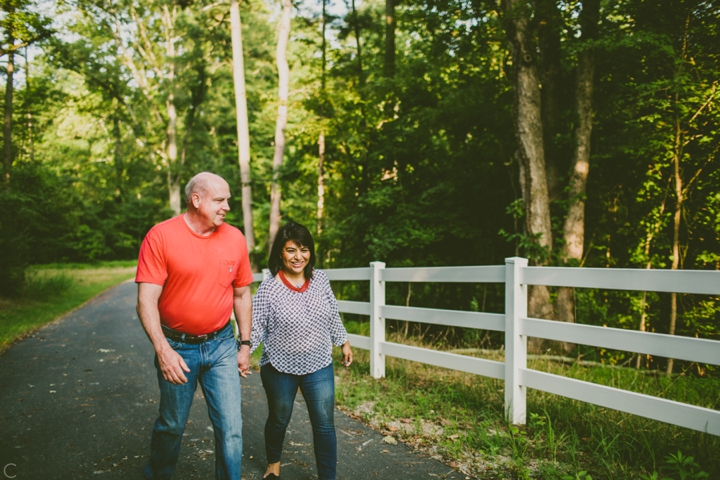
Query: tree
[321, 136]
[682, 101]
[243, 129]
[154, 42]
[19, 27]
[530, 153]
[425, 182]
[574, 224]
[281, 122]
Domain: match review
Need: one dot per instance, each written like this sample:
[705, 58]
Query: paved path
[78, 400]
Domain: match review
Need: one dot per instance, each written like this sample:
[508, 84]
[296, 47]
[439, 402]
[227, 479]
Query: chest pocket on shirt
[228, 272]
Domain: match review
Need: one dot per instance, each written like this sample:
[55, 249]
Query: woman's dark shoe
[271, 476]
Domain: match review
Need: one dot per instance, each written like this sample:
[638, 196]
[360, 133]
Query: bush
[42, 287]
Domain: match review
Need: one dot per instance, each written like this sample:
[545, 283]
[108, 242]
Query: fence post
[377, 322]
[266, 273]
[515, 341]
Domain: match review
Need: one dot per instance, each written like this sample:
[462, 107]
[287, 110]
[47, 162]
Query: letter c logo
[5, 470]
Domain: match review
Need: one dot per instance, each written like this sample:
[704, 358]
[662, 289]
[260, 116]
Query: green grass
[54, 290]
[458, 418]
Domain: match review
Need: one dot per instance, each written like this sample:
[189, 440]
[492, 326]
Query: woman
[295, 316]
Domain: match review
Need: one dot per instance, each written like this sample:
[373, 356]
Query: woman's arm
[260, 312]
[338, 334]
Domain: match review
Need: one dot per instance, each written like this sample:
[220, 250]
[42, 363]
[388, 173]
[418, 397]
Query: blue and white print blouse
[297, 329]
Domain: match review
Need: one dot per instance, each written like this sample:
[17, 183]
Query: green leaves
[21, 25]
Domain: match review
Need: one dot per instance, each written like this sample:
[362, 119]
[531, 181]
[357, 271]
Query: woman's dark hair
[298, 234]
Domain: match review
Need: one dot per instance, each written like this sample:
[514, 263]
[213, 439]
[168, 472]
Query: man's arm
[242, 303]
[171, 363]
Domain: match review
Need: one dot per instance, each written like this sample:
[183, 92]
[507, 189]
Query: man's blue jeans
[214, 365]
[318, 390]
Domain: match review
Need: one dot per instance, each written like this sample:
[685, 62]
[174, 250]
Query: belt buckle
[202, 338]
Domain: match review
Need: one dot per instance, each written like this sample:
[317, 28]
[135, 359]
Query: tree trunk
[364, 163]
[7, 126]
[321, 137]
[243, 128]
[529, 134]
[323, 65]
[171, 130]
[283, 87]
[173, 173]
[389, 63]
[356, 28]
[574, 226]
[389, 66]
[31, 140]
[550, 25]
[320, 183]
[679, 199]
[118, 155]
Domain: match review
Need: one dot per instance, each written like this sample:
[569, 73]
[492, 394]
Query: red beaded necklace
[292, 287]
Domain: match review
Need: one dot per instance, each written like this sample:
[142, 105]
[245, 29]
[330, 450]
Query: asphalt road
[80, 396]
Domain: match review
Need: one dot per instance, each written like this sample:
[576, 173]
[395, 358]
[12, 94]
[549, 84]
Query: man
[193, 270]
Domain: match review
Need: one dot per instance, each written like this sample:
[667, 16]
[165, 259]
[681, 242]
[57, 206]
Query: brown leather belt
[188, 338]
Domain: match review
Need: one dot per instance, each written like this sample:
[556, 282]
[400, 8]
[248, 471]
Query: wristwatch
[245, 342]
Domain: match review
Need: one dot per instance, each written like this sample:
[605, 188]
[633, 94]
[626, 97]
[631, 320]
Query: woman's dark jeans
[318, 390]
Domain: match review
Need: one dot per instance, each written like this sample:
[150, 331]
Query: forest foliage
[119, 103]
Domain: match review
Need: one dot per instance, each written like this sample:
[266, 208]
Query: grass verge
[54, 290]
[458, 419]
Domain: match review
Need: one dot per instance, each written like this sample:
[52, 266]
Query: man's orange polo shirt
[197, 273]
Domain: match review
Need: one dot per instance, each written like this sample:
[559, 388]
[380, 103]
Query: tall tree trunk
[7, 126]
[679, 196]
[31, 139]
[389, 65]
[118, 154]
[358, 45]
[173, 176]
[574, 226]
[364, 163]
[283, 87]
[321, 137]
[171, 130]
[648, 243]
[677, 217]
[323, 66]
[321, 183]
[550, 25]
[243, 127]
[643, 322]
[530, 153]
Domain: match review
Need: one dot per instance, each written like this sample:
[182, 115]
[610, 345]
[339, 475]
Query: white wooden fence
[517, 275]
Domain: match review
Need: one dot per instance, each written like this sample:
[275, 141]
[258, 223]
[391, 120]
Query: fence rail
[517, 275]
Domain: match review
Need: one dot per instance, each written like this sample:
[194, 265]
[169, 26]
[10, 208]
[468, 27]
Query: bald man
[193, 271]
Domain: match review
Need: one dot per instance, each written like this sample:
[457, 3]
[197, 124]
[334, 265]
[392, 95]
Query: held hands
[347, 357]
[172, 366]
[243, 359]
